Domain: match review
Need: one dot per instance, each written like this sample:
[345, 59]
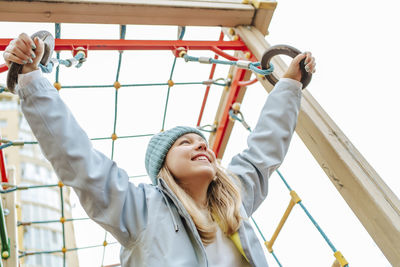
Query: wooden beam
[224, 102]
[263, 16]
[224, 124]
[371, 200]
[155, 12]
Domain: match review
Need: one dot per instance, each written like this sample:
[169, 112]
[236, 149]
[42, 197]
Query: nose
[202, 145]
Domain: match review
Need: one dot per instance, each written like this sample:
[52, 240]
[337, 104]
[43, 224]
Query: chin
[187, 173]
[207, 173]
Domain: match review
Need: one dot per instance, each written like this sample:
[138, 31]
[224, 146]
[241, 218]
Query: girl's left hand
[294, 71]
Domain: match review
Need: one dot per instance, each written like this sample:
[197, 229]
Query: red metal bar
[70, 44]
[3, 67]
[218, 51]
[3, 168]
[221, 37]
[223, 124]
[247, 83]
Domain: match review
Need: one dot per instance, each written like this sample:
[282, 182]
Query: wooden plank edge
[222, 105]
[201, 14]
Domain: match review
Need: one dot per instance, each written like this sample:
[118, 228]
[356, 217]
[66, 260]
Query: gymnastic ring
[15, 68]
[288, 51]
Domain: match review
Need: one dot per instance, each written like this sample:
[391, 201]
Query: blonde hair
[223, 204]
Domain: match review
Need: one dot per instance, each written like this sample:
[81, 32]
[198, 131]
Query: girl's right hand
[25, 51]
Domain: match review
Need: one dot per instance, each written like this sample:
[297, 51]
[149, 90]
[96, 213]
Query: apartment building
[37, 204]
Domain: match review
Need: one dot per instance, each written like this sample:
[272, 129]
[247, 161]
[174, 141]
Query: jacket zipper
[164, 189]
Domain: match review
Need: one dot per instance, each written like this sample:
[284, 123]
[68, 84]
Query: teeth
[202, 158]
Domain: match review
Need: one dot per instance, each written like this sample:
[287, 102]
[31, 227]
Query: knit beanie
[159, 146]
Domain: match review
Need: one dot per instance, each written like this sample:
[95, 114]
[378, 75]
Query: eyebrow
[190, 137]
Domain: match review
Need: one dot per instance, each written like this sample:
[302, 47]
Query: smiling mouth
[201, 158]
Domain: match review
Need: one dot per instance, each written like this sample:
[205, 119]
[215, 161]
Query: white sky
[354, 45]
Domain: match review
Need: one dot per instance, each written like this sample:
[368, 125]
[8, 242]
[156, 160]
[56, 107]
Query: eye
[184, 142]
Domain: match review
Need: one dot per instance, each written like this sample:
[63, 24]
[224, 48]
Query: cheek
[214, 158]
[175, 162]
[215, 168]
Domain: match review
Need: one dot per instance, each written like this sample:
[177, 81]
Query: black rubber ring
[288, 51]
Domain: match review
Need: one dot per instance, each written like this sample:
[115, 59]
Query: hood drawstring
[176, 226]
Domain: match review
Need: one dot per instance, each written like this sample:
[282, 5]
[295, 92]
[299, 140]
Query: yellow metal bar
[340, 258]
[295, 197]
[270, 243]
[294, 200]
[335, 264]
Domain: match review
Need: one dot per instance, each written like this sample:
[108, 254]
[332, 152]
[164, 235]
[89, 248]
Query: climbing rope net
[181, 49]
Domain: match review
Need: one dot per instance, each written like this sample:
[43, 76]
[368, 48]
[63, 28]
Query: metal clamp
[243, 64]
[205, 60]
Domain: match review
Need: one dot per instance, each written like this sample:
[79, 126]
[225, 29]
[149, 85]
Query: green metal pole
[5, 241]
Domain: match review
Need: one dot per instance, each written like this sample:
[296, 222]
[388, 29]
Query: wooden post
[216, 141]
[371, 200]
[264, 11]
[228, 13]
[155, 12]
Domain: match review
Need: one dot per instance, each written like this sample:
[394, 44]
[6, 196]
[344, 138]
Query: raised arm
[269, 141]
[103, 188]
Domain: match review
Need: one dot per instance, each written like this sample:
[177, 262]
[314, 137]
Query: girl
[195, 213]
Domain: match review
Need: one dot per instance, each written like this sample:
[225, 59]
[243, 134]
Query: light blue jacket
[151, 224]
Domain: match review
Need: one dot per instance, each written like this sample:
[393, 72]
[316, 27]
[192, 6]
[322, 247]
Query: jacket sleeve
[103, 189]
[267, 144]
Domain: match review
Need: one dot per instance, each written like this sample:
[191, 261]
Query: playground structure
[372, 201]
